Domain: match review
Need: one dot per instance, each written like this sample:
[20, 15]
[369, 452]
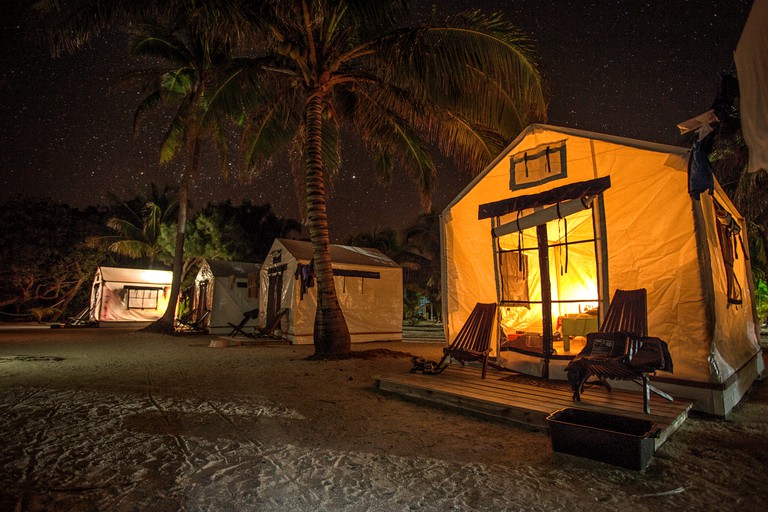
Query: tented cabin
[563, 218]
[128, 297]
[369, 286]
[224, 290]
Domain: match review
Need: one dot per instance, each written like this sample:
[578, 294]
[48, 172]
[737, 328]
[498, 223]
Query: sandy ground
[97, 419]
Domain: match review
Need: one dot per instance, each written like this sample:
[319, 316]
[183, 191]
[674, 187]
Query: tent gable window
[141, 298]
[538, 165]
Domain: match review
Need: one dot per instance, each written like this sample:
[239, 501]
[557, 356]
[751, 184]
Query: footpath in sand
[95, 419]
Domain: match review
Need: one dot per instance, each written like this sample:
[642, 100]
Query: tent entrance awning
[557, 195]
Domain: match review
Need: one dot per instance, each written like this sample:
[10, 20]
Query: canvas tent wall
[226, 290]
[369, 286]
[563, 218]
[129, 296]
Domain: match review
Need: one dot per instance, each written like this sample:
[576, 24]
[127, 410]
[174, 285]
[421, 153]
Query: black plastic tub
[617, 440]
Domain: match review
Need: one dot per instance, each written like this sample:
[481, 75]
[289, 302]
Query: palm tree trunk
[166, 323]
[331, 335]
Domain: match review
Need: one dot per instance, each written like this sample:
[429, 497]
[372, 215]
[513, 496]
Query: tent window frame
[505, 302]
[539, 161]
[140, 297]
[546, 351]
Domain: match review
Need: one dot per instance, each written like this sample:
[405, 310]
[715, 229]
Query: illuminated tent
[225, 289]
[123, 297]
[369, 286]
[562, 218]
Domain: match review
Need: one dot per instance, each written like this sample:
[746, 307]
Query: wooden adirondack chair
[472, 343]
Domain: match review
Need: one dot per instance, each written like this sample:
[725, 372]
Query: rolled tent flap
[558, 211]
[544, 198]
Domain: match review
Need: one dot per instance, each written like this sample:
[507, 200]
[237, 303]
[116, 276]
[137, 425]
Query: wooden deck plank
[527, 403]
[495, 387]
[597, 395]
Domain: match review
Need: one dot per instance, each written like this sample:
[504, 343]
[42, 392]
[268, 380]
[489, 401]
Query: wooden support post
[546, 296]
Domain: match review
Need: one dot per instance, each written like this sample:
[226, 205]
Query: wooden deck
[528, 400]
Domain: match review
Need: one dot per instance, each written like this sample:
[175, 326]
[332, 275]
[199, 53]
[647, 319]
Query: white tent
[368, 284]
[129, 296]
[563, 218]
[226, 290]
[751, 58]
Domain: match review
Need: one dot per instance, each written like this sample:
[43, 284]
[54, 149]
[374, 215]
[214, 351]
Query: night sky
[626, 67]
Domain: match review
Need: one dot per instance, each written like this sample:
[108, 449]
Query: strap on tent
[558, 211]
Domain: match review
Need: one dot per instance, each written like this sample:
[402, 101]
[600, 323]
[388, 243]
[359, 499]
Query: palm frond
[131, 248]
[153, 215]
[221, 95]
[441, 63]
[147, 104]
[373, 18]
[178, 82]
[176, 136]
[125, 228]
[157, 42]
[267, 130]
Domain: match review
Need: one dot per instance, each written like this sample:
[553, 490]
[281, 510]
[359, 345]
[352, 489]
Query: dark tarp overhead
[555, 195]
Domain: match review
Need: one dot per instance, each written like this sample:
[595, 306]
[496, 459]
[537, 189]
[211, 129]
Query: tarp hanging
[751, 58]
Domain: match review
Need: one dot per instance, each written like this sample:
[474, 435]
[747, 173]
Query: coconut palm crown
[466, 85]
[192, 83]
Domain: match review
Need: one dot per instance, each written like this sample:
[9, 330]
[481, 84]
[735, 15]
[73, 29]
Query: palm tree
[138, 227]
[466, 85]
[196, 47]
[193, 82]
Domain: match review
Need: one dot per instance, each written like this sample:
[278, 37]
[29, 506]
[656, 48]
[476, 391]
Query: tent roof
[340, 254]
[232, 268]
[136, 275]
[624, 141]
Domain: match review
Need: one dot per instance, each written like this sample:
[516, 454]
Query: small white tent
[563, 218]
[225, 290]
[368, 284]
[129, 296]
